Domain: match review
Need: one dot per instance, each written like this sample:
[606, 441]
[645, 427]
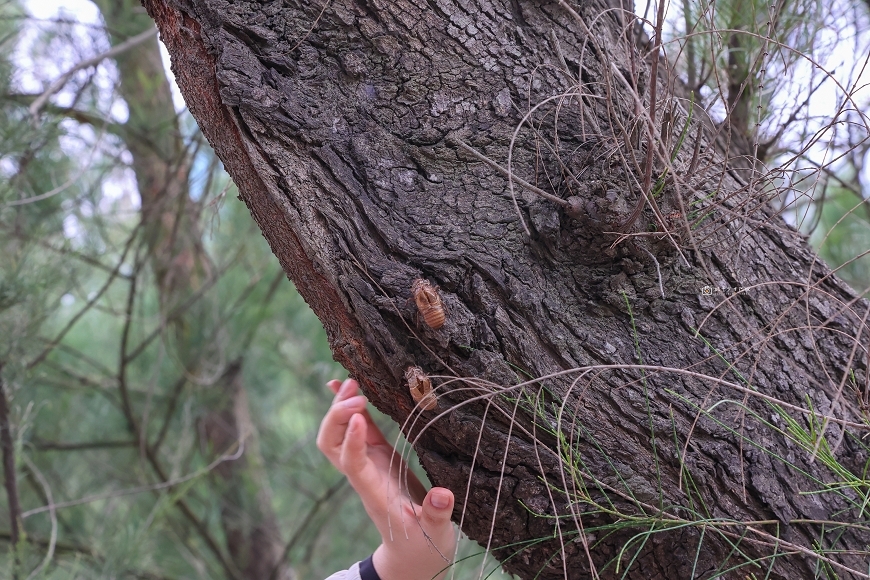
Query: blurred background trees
[765, 73]
[162, 380]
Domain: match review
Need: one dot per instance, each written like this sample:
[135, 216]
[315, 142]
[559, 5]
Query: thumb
[437, 508]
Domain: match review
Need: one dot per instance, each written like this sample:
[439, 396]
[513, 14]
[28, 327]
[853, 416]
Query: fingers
[437, 509]
[353, 448]
[334, 427]
[335, 423]
[352, 442]
[420, 552]
[334, 385]
[361, 472]
[345, 391]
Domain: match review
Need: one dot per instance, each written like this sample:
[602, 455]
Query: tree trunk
[356, 132]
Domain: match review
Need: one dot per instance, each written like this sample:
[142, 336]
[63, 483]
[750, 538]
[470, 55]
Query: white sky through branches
[840, 47]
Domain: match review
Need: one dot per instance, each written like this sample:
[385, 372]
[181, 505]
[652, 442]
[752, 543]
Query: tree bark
[357, 132]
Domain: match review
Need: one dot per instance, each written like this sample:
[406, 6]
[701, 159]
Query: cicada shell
[428, 302]
[421, 388]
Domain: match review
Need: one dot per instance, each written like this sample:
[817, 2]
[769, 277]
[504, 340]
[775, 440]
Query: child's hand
[418, 537]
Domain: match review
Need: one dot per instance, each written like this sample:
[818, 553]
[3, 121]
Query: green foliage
[842, 235]
[31, 165]
[758, 68]
[68, 265]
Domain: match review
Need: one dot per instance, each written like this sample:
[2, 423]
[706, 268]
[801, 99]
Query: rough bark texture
[341, 125]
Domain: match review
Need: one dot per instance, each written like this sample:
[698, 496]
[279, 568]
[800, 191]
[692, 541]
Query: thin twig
[658, 269]
[653, 85]
[64, 251]
[115, 273]
[166, 484]
[63, 79]
[9, 480]
[83, 168]
[57, 446]
[177, 389]
[59, 546]
[303, 527]
[52, 542]
[150, 455]
[181, 308]
[518, 180]
[123, 391]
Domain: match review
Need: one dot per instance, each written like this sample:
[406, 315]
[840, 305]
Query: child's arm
[417, 536]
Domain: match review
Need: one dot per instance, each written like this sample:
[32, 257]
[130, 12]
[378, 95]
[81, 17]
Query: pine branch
[9, 473]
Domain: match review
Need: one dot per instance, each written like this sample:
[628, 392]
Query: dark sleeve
[367, 570]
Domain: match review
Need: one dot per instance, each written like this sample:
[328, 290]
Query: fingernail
[353, 424]
[439, 499]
